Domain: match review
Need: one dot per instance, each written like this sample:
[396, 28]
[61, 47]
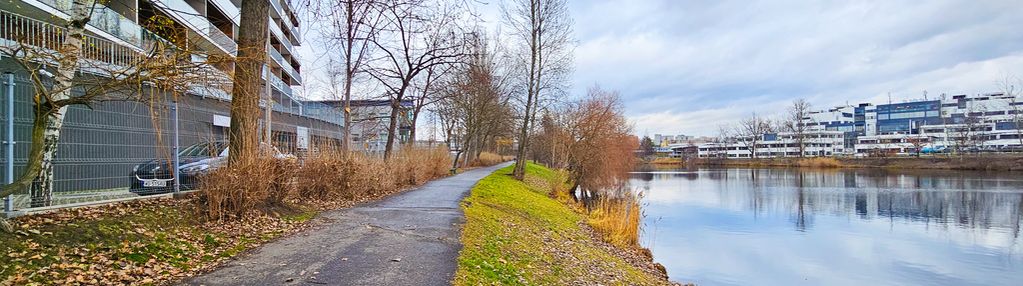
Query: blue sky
[689, 66]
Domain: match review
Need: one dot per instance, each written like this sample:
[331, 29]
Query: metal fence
[104, 151]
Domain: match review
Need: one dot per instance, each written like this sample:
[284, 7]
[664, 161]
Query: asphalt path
[408, 239]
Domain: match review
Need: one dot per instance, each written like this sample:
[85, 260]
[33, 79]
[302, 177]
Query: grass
[516, 234]
[666, 161]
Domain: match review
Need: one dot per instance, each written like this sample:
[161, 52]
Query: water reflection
[834, 226]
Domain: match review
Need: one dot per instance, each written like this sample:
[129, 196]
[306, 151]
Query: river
[834, 227]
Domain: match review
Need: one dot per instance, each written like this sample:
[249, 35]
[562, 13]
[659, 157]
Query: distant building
[370, 120]
[961, 123]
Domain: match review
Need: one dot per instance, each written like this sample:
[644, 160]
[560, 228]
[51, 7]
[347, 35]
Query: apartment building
[986, 122]
[101, 143]
[370, 120]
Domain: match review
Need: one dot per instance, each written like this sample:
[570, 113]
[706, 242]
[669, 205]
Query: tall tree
[542, 29]
[646, 145]
[351, 25]
[416, 36]
[476, 102]
[750, 131]
[245, 94]
[1011, 86]
[796, 123]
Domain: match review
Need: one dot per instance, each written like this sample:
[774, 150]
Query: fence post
[8, 202]
[177, 161]
[9, 141]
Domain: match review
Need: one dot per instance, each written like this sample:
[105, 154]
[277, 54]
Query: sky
[687, 67]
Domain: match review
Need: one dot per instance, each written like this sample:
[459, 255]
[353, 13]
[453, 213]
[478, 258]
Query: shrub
[258, 185]
[413, 166]
[325, 174]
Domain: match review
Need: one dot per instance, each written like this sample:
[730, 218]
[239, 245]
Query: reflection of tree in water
[962, 199]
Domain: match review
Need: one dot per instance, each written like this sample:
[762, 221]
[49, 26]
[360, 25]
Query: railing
[32, 32]
[276, 30]
[285, 65]
[276, 82]
[199, 23]
[109, 21]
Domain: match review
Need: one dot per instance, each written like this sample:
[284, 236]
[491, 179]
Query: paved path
[408, 239]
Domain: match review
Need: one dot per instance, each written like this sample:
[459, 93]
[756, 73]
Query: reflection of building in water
[963, 199]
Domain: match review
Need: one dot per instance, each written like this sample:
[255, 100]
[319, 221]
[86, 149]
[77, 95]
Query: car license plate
[154, 183]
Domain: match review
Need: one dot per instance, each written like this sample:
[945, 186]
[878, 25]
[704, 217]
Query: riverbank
[969, 162]
[515, 233]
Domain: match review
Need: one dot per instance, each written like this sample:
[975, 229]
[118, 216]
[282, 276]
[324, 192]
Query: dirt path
[409, 239]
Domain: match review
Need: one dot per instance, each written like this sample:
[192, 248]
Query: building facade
[960, 123]
[101, 143]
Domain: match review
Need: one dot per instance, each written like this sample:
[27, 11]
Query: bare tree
[918, 143]
[751, 130]
[1010, 86]
[253, 35]
[475, 103]
[416, 35]
[796, 123]
[427, 93]
[77, 69]
[351, 25]
[965, 129]
[542, 30]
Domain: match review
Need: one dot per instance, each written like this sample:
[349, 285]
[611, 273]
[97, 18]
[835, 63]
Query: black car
[157, 176]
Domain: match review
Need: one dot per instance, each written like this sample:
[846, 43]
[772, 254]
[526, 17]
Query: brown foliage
[260, 184]
[326, 175]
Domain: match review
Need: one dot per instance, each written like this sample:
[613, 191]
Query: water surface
[834, 227]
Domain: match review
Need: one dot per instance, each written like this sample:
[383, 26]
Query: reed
[617, 220]
[819, 162]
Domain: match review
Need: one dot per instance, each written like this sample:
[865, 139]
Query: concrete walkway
[408, 239]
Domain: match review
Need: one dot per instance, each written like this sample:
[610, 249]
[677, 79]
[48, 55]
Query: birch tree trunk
[67, 65]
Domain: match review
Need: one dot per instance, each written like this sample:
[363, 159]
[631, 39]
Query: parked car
[157, 176]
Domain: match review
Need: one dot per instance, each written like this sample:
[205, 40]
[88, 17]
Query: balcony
[187, 15]
[108, 21]
[278, 83]
[285, 65]
[276, 30]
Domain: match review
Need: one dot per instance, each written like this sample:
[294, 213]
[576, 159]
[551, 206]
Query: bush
[325, 175]
[258, 185]
[490, 159]
[413, 166]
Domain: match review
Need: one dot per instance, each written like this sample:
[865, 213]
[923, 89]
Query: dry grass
[819, 162]
[490, 159]
[258, 185]
[666, 161]
[325, 177]
[617, 220]
[413, 166]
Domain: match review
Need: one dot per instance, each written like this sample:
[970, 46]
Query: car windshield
[203, 149]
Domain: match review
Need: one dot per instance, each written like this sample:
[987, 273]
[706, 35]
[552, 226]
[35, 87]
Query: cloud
[688, 66]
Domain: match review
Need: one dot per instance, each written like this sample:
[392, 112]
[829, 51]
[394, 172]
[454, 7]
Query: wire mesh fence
[124, 149]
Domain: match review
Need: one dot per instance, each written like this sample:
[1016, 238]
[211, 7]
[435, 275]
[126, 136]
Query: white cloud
[688, 66]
